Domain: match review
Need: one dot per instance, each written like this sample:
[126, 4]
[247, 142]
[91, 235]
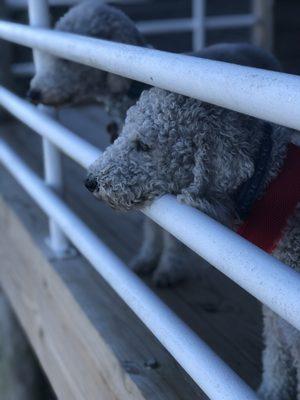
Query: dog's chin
[121, 206]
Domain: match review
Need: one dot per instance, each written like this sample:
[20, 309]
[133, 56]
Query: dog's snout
[35, 96]
[91, 183]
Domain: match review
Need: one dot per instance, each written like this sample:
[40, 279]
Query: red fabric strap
[269, 215]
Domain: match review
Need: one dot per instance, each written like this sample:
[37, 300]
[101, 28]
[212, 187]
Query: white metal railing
[259, 19]
[268, 95]
[257, 272]
[200, 362]
[188, 24]
[239, 88]
[21, 4]
[39, 16]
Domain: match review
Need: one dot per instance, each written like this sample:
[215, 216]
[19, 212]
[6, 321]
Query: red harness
[268, 217]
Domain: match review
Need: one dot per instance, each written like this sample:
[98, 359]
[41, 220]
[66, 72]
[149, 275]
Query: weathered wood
[90, 345]
[263, 30]
[20, 375]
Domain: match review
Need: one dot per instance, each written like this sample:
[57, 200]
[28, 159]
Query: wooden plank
[90, 345]
[18, 380]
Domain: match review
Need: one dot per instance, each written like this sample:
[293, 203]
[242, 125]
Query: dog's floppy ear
[221, 164]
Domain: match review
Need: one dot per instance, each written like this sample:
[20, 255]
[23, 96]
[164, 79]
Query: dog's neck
[268, 162]
[250, 190]
[276, 200]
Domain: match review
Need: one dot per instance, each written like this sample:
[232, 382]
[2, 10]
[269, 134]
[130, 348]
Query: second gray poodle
[64, 82]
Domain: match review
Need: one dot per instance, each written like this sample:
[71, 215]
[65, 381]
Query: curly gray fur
[281, 357]
[202, 154]
[170, 268]
[147, 259]
[174, 144]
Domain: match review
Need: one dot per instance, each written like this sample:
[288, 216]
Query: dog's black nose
[91, 184]
[35, 96]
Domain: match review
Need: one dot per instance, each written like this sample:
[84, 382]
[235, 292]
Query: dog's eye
[140, 146]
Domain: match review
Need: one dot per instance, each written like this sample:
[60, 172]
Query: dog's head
[62, 81]
[178, 145]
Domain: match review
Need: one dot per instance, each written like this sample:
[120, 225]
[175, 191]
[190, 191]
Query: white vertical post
[198, 18]
[262, 34]
[39, 16]
[6, 57]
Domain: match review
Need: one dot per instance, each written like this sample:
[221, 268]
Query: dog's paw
[168, 277]
[143, 266]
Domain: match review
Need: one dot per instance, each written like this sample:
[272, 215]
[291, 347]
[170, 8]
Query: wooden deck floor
[221, 313]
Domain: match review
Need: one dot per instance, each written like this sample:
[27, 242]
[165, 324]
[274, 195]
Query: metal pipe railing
[39, 16]
[216, 379]
[188, 24]
[268, 95]
[168, 26]
[269, 280]
[21, 4]
[72, 145]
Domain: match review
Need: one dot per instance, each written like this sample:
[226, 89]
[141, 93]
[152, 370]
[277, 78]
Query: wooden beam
[21, 377]
[88, 342]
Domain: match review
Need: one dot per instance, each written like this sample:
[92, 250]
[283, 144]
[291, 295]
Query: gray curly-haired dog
[160, 251]
[64, 82]
[204, 155]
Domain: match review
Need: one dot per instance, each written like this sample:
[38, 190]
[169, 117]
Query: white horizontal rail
[269, 280]
[230, 21]
[23, 69]
[216, 379]
[72, 145]
[188, 24]
[21, 4]
[268, 95]
[165, 25]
